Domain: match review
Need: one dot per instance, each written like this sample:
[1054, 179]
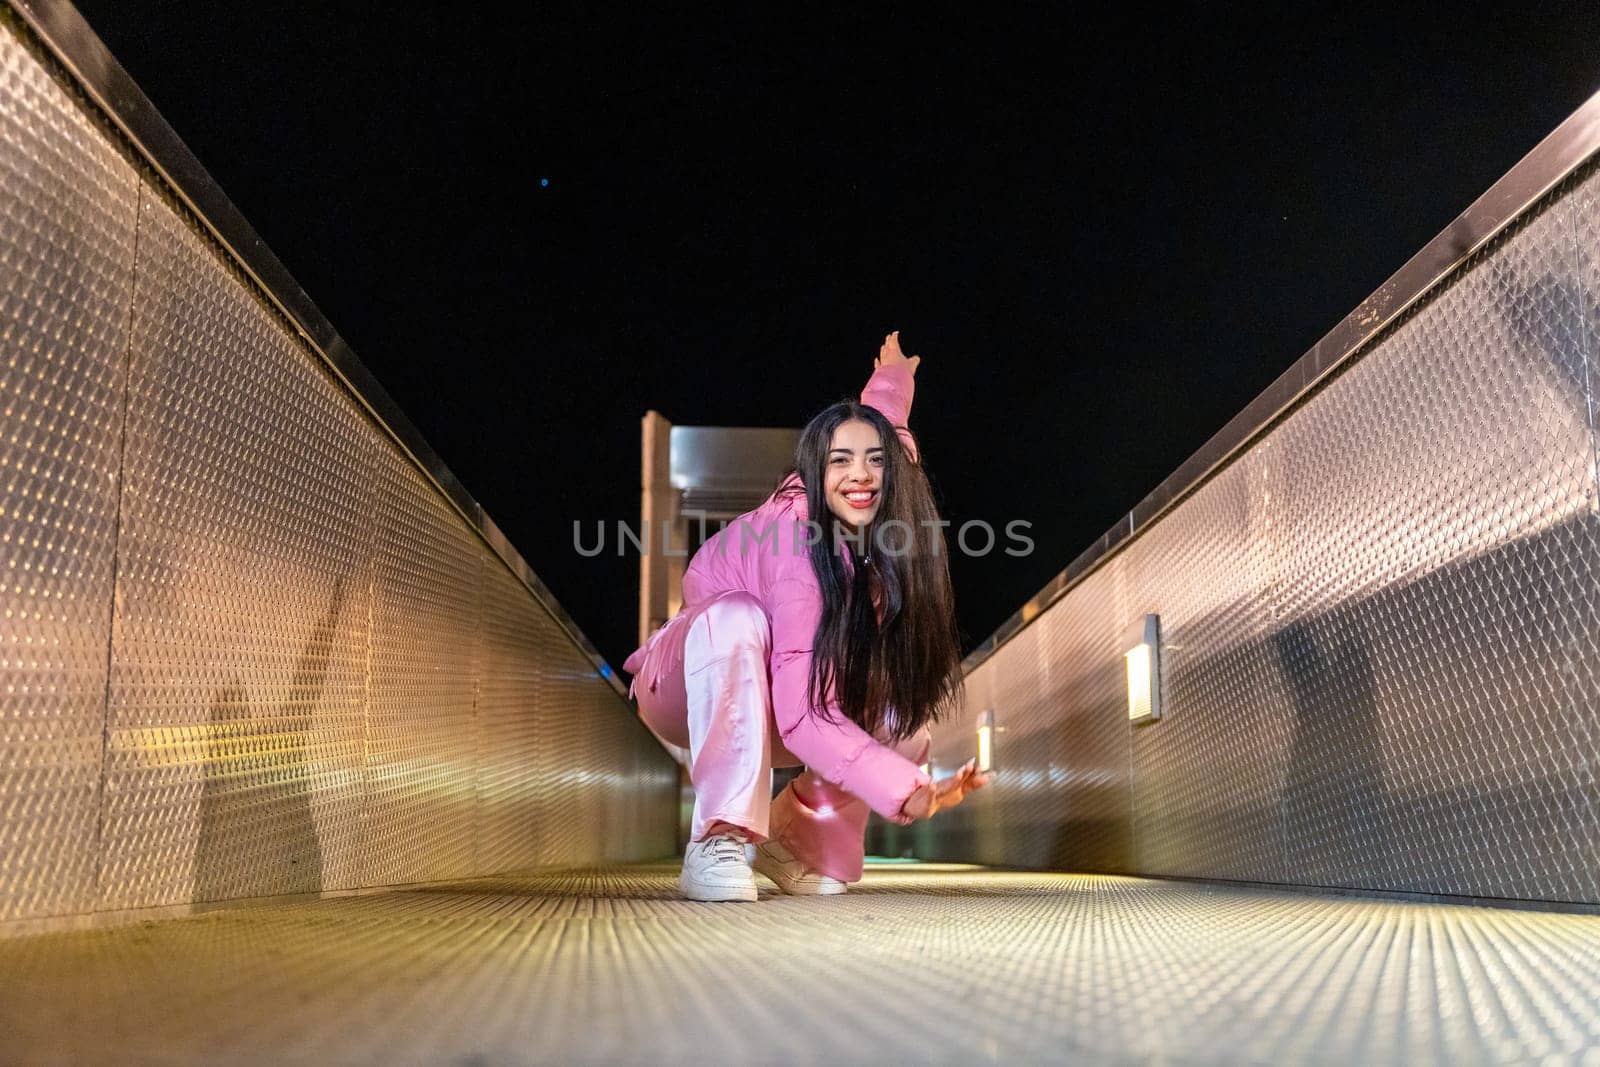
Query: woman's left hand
[890, 352]
[934, 797]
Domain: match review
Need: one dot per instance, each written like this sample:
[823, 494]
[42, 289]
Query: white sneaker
[717, 869]
[790, 874]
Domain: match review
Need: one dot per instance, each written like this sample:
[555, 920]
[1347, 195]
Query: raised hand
[946, 793]
[890, 352]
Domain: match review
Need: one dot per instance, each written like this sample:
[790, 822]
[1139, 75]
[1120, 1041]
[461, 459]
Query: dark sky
[1104, 236]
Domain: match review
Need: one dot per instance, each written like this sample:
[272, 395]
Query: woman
[830, 644]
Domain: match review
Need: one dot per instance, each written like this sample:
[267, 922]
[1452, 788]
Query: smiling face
[854, 485]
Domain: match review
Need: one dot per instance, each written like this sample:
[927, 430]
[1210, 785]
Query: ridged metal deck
[919, 963]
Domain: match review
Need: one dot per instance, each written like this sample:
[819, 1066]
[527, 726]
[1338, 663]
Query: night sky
[1103, 237]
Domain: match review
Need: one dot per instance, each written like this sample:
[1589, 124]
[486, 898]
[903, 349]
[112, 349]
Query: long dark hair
[904, 673]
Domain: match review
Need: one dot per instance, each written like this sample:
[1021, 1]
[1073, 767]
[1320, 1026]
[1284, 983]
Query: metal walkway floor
[921, 963]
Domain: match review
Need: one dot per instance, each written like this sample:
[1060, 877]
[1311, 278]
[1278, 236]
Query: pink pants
[704, 684]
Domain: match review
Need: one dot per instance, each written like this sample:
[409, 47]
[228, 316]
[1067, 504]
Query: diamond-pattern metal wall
[1439, 570]
[1061, 790]
[239, 654]
[422, 721]
[1207, 787]
[573, 791]
[563, 779]
[315, 675]
[515, 635]
[68, 202]
[1380, 624]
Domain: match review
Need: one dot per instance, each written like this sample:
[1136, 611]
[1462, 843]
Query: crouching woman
[828, 643]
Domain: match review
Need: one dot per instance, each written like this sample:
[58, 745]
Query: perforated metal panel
[515, 634]
[569, 773]
[576, 771]
[67, 218]
[1439, 569]
[422, 729]
[1059, 796]
[1209, 775]
[239, 659]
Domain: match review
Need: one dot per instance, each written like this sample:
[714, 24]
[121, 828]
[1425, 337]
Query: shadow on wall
[1334, 785]
[257, 832]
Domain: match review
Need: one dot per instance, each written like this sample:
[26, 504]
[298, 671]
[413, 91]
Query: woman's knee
[737, 619]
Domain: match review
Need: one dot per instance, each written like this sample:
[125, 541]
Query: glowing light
[1143, 661]
[986, 741]
[1138, 682]
[543, 182]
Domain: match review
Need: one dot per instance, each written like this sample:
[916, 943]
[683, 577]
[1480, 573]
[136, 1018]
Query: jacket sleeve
[835, 748]
[890, 390]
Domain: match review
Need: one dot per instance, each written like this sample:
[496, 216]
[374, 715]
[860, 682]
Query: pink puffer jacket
[762, 553]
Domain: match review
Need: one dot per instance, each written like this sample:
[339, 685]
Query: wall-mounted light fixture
[1143, 658]
[986, 732]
